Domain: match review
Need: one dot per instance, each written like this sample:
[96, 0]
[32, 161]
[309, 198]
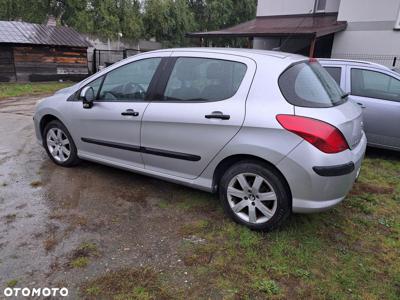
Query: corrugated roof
[312, 25]
[29, 33]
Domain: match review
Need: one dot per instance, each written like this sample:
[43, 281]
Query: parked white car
[376, 89]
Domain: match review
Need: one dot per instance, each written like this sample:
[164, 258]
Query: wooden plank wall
[48, 63]
[7, 71]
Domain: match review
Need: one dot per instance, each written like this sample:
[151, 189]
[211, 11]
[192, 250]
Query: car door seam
[240, 127]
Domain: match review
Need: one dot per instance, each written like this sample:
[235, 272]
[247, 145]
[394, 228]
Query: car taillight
[322, 135]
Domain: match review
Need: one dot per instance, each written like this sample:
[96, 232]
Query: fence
[105, 58]
[391, 61]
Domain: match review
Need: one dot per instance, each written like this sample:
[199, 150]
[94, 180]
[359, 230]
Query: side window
[366, 83]
[335, 72]
[95, 84]
[204, 79]
[129, 82]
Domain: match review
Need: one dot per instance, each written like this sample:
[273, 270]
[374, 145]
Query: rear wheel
[255, 195]
[59, 144]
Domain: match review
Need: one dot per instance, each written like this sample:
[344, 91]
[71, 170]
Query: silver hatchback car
[271, 132]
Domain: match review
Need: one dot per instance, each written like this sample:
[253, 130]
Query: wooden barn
[34, 52]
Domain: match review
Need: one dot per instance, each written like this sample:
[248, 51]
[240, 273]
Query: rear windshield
[308, 84]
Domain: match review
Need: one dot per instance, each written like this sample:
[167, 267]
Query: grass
[126, 284]
[79, 262]
[349, 252]
[8, 90]
[12, 283]
[80, 257]
[268, 287]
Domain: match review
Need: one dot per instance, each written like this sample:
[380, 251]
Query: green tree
[80, 15]
[165, 20]
[28, 11]
[130, 19]
[105, 18]
[219, 14]
[168, 20]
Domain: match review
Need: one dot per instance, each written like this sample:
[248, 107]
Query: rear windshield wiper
[345, 95]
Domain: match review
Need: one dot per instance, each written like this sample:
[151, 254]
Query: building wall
[290, 7]
[332, 6]
[7, 71]
[371, 33]
[48, 63]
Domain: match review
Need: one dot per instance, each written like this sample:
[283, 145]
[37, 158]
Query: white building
[356, 29]
[372, 33]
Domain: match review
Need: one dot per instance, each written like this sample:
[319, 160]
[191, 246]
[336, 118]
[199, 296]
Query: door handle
[130, 112]
[217, 115]
[361, 105]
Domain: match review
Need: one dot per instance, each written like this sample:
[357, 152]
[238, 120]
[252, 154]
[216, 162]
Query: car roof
[256, 55]
[352, 62]
[250, 53]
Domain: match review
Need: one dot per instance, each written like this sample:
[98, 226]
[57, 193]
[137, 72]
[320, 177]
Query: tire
[265, 208]
[57, 140]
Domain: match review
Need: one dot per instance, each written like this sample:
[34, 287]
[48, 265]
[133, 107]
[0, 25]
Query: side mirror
[87, 95]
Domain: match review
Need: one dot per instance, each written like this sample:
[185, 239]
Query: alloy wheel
[58, 144]
[252, 198]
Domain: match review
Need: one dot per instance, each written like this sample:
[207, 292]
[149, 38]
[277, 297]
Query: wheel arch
[46, 119]
[229, 161]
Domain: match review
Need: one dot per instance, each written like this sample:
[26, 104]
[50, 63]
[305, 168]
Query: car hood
[67, 90]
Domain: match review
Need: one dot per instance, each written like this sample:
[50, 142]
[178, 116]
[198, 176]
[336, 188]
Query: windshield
[308, 84]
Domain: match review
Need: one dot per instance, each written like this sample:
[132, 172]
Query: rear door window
[335, 72]
[204, 79]
[308, 84]
[372, 84]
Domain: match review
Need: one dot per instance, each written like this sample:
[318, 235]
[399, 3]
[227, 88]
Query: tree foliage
[165, 20]
[168, 20]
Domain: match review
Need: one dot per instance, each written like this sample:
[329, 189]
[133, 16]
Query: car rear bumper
[319, 181]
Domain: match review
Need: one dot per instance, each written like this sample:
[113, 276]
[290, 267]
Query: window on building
[321, 5]
[373, 84]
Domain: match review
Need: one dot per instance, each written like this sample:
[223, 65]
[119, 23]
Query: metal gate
[104, 58]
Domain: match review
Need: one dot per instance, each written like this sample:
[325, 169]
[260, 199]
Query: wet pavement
[47, 211]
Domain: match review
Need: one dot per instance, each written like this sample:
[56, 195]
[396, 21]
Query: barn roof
[37, 34]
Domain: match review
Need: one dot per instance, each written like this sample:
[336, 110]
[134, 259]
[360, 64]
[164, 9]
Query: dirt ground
[47, 212]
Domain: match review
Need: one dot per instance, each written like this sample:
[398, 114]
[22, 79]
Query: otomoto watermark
[35, 292]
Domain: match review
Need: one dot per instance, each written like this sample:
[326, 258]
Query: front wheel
[255, 195]
[59, 144]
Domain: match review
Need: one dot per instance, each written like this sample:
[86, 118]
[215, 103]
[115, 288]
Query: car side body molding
[147, 150]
